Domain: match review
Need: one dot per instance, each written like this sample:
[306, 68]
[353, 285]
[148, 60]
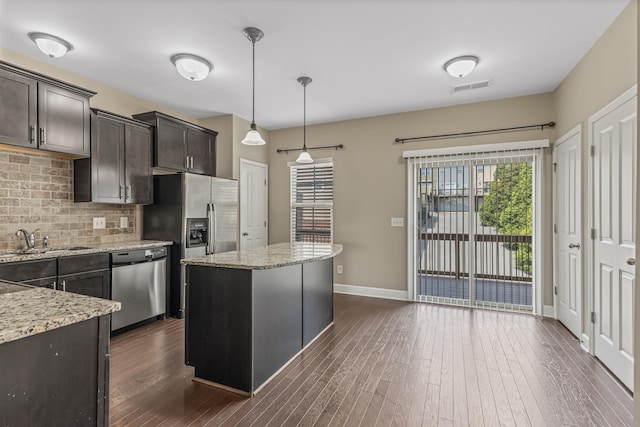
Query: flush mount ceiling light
[253, 136]
[304, 156]
[461, 65]
[191, 67]
[52, 46]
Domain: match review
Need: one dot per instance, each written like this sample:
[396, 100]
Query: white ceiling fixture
[461, 66]
[191, 67]
[304, 156]
[50, 45]
[253, 136]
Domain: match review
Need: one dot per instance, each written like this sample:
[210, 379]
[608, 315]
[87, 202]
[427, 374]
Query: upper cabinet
[120, 167]
[39, 112]
[180, 145]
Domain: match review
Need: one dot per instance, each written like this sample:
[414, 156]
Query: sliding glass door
[474, 225]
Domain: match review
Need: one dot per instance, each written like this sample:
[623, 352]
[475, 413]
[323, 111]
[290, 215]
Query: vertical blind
[312, 203]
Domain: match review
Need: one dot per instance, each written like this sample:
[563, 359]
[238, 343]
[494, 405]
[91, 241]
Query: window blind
[312, 203]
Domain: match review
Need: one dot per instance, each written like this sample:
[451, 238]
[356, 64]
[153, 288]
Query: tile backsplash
[36, 191]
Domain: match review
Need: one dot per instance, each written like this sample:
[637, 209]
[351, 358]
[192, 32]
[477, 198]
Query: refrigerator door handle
[207, 251]
[212, 229]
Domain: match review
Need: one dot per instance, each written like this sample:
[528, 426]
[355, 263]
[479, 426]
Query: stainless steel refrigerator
[199, 214]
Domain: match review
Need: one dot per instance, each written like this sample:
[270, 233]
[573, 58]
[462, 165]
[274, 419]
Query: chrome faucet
[29, 238]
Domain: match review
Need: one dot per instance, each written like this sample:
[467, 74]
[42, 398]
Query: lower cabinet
[42, 273]
[85, 274]
[59, 377]
[82, 274]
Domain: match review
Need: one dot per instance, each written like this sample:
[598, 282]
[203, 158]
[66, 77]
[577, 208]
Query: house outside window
[312, 202]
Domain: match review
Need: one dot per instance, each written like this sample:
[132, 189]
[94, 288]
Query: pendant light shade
[461, 66]
[253, 136]
[191, 67]
[52, 46]
[304, 156]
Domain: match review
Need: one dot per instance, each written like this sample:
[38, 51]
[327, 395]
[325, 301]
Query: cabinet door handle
[191, 162]
[53, 285]
[186, 159]
[32, 134]
[64, 286]
[120, 192]
[42, 136]
[127, 192]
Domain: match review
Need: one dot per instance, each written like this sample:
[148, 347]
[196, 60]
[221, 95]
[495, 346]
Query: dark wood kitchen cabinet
[42, 273]
[43, 113]
[85, 274]
[120, 167]
[59, 377]
[18, 109]
[181, 146]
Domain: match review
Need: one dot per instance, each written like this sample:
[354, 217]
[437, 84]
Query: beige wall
[371, 177]
[609, 69]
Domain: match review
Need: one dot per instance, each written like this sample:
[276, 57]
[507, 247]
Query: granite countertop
[56, 252]
[27, 310]
[272, 256]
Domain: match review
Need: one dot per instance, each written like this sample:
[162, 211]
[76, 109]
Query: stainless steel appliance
[199, 214]
[138, 281]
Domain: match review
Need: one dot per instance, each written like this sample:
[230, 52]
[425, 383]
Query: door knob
[574, 245]
[245, 234]
[631, 261]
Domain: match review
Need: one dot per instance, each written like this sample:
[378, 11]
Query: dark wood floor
[383, 363]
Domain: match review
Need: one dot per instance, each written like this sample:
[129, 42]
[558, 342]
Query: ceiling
[366, 57]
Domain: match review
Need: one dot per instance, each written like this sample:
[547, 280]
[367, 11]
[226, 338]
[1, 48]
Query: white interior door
[567, 210]
[614, 196]
[253, 204]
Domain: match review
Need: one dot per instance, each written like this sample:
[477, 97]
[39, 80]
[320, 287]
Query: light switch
[124, 222]
[397, 222]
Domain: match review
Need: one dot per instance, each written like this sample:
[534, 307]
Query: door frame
[588, 343]
[244, 162]
[539, 184]
[577, 130]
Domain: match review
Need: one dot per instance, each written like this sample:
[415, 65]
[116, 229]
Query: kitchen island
[250, 312]
[54, 348]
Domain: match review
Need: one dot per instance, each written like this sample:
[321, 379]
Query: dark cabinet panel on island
[180, 145]
[119, 170]
[43, 113]
[58, 377]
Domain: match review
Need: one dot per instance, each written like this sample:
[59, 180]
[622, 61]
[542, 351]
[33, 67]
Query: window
[312, 203]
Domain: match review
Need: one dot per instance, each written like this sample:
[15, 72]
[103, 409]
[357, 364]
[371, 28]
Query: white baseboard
[549, 311]
[364, 291]
[585, 343]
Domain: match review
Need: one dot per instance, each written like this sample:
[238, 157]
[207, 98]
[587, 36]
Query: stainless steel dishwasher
[138, 282]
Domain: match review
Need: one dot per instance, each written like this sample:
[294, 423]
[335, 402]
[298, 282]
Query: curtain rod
[286, 150]
[477, 132]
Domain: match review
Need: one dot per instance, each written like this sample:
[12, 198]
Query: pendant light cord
[304, 120]
[253, 110]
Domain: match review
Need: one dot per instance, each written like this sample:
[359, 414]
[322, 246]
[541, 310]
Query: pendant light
[253, 136]
[304, 156]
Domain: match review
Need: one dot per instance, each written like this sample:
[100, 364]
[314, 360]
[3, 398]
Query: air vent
[469, 86]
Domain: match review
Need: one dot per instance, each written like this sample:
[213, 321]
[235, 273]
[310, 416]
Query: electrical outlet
[124, 222]
[99, 222]
[397, 222]
[339, 269]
